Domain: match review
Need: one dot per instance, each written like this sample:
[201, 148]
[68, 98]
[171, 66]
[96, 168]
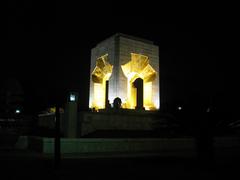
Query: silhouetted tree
[11, 96]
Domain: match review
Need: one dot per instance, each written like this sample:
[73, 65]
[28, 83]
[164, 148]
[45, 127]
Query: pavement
[17, 164]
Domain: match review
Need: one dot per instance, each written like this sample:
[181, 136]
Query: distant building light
[179, 108]
[72, 97]
[17, 111]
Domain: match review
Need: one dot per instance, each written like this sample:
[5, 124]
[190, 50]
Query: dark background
[49, 44]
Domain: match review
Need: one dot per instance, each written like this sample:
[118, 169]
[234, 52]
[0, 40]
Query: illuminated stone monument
[116, 63]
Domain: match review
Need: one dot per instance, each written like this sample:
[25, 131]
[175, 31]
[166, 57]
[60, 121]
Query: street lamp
[17, 111]
[179, 108]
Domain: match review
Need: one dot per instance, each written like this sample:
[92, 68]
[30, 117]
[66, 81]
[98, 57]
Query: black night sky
[48, 49]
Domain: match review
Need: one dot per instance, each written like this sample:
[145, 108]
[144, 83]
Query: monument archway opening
[100, 76]
[138, 84]
[139, 67]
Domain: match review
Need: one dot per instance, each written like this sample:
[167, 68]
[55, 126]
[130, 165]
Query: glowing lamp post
[17, 111]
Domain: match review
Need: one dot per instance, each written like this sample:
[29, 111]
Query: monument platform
[118, 120]
[108, 145]
[110, 123]
[89, 147]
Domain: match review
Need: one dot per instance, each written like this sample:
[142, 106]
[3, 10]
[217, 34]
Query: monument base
[121, 123]
[118, 120]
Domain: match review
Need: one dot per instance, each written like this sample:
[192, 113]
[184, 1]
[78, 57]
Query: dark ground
[27, 165]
